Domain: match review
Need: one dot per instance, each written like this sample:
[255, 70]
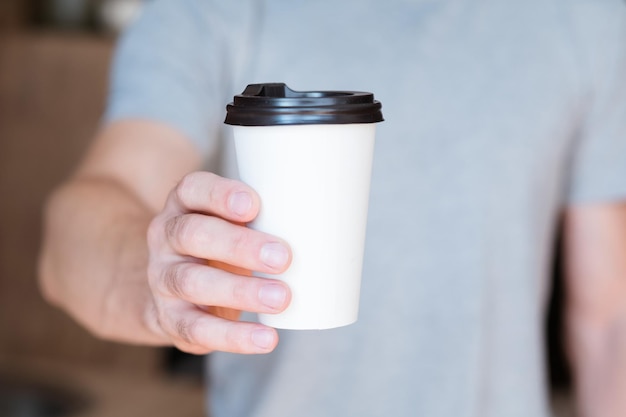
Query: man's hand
[187, 286]
[200, 258]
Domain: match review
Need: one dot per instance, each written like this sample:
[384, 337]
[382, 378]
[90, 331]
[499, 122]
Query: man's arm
[123, 246]
[595, 266]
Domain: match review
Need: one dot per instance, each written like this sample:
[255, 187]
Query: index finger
[207, 193]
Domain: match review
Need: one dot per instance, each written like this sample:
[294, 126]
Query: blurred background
[54, 58]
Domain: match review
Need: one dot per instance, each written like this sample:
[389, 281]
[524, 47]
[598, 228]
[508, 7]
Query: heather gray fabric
[498, 114]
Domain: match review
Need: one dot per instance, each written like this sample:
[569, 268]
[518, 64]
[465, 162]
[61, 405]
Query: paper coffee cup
[309, 156]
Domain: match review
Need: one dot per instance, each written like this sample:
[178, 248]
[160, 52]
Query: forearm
[94, 257]
[598, 352]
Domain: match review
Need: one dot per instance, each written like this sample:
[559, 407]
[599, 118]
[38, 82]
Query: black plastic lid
[276, 104]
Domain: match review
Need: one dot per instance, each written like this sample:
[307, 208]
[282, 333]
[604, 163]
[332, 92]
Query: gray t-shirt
[498, 115]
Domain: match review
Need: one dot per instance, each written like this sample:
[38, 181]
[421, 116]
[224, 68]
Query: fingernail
[273, 295]
[240, 203]
[263, 338]
[274, 255]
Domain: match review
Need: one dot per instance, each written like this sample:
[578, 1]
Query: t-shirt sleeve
[166, 69]
[599, 160]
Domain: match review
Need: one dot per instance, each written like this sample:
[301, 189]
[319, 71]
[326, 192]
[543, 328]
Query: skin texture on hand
[202, 220]
[140, 247]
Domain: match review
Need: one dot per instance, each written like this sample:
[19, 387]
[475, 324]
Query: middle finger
[207, 286]
[213, 238]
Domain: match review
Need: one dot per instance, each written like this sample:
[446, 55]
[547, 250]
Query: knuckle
[186, 331]
[193, 186]
[186, 187]
[180, 230]
[177, 281]
[217, 192]
[235, 340]
[240, 292]
[240, 241]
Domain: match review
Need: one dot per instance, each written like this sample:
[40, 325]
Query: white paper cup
[313, 180]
